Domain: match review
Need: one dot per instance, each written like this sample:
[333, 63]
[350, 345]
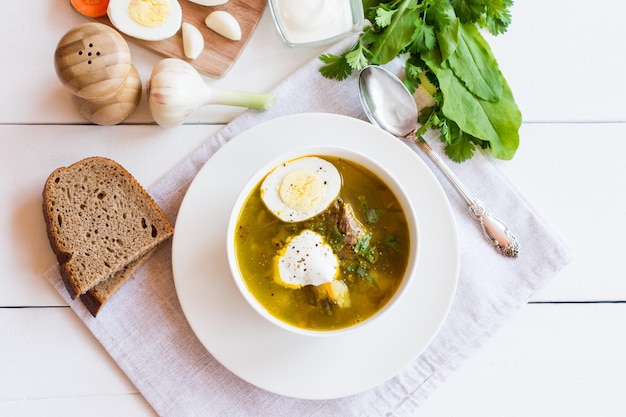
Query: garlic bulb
[175, 90]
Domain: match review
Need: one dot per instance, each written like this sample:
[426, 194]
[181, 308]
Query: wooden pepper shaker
[93, 62]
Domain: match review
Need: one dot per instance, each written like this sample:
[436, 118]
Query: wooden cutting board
[219, 53]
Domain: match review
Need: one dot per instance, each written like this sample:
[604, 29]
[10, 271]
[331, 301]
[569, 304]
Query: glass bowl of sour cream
[316, 22]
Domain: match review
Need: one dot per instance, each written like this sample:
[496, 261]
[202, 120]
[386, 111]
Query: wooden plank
[561, 61]
[557, 169]
[49, 353]
[550, 360]
[118, 405]
[219, 53]
[53, 366]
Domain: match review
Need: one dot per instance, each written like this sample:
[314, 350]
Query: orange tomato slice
[91, 8]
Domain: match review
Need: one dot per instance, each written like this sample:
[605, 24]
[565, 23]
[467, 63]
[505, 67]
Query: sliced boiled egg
[150, 20]
[306, 260]
[301, 188]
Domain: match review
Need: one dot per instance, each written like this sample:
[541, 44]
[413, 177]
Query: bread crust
[96, 297]
[100, 223]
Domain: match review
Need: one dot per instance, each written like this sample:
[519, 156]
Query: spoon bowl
[389, 105]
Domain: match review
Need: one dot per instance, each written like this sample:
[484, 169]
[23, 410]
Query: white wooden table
[563, 354]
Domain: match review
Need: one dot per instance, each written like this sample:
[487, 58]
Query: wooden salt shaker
[93, 62]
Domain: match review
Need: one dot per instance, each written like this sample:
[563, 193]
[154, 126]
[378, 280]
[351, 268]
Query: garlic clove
[225, 24]
[193, 42]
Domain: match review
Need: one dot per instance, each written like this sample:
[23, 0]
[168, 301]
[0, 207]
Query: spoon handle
[494, 230]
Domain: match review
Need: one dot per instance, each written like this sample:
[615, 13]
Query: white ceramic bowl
[302, 23]
[359, 159]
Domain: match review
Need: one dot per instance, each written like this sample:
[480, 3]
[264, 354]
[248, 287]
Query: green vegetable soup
[372, 252]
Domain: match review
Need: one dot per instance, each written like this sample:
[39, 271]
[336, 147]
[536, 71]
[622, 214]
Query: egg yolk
[149, 13]
[301, 190]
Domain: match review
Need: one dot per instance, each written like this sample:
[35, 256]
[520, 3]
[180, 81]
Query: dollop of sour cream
[307, 21]
[306, 260]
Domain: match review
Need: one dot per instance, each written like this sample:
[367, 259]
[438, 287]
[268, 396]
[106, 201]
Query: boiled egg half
[150, 20]
[306, 260]
[301, 188]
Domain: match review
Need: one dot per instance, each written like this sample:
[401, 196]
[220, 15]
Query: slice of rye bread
[95, 298]
[99, 220]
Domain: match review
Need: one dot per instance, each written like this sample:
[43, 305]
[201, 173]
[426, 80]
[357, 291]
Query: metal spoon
[389, 105]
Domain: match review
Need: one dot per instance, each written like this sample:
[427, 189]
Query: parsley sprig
[444, 51]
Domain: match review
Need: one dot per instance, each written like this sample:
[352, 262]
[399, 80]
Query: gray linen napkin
[145, 331]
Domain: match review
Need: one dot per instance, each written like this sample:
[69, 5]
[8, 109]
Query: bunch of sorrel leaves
[445, 52]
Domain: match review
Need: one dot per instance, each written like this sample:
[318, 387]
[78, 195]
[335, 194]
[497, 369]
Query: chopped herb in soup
[338, 266]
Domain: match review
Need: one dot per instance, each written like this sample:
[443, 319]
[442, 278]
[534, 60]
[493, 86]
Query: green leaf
[368, 278]
[370, 4]
[335, 67]
[395, 37]
[336, 239]
[356, 58]
[364, 249]
[394, 243]
[469, 11]
[362, 244]
[498, 16]
[424, 38]
[448, 39]
[372, 215]
[383, 17]
[474, 64]
[412, 80]
[444, 52]
[498, 123]
[460, 148]
[438, 13]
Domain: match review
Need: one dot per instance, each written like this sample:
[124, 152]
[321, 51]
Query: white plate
[272, 358]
